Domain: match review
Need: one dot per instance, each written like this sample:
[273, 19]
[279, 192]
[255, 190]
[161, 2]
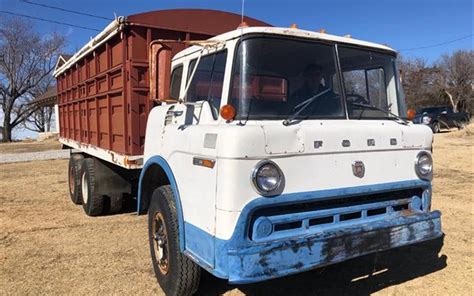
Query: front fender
[158, 162]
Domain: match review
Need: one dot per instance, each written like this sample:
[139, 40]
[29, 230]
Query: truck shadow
[360, 276]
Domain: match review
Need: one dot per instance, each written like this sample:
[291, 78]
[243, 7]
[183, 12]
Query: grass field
[49, 246]
[29, 146]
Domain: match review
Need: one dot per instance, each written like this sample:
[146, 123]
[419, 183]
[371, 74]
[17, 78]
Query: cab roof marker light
[243, 25]
[294, 26]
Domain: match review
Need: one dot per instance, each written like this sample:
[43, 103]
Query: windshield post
[401, 100]
[340, 80]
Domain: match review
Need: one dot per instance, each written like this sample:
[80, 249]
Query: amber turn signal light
[411, 114]
[228, 112]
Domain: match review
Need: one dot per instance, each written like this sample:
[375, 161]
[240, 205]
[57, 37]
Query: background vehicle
[441, 117]
[269, 151]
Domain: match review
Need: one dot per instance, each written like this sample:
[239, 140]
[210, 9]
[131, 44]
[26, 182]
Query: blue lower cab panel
[263, 262]
[349, 222]
[258, 262]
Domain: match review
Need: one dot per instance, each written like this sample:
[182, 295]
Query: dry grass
[49, 246]
[466, 132]
[30, 146]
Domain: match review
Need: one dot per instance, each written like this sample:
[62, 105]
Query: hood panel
[270, 139]
[283, 141]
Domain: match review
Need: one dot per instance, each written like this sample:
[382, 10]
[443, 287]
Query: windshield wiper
[302, 106]
[399, 119]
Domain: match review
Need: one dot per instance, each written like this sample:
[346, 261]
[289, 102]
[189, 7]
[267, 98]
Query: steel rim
[160, 242]
[85, 189]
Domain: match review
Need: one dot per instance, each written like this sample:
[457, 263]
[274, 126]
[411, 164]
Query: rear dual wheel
[82, 177]
[74, 177]
[92, 202]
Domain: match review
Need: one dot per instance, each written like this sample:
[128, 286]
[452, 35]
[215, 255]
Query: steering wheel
[356, 98]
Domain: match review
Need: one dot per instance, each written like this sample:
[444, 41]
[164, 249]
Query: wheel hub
[160, 238]
[85, 189]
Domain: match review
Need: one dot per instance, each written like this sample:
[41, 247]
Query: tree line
[449, 81]
[28, 58]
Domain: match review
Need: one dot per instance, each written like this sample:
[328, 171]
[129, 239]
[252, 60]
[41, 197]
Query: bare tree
[26, 60]
[455, 78]
[417, 81]
[40, 120]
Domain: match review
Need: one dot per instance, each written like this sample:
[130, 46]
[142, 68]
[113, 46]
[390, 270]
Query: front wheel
[176, 273]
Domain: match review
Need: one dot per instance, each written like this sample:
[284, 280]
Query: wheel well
[154, 177]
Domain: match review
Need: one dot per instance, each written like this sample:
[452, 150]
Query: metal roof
[48, 98]
[237, 33]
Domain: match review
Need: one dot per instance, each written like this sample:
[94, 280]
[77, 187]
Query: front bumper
[280, 258]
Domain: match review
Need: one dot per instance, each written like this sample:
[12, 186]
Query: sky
[402, 24]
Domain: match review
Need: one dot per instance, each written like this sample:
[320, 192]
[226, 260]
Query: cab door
[192, 130]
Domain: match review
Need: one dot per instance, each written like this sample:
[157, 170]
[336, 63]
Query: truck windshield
[283, 78]
[369, 79]
[274, 77]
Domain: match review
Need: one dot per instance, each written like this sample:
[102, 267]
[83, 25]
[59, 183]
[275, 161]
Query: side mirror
[159, 71]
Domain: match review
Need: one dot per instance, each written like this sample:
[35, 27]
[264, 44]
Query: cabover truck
[266, 151]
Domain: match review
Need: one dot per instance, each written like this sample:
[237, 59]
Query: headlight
[424, 165]
[426, 119]
[267, 178]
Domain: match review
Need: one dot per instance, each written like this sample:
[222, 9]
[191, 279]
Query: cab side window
[176, 78]
[208, 80]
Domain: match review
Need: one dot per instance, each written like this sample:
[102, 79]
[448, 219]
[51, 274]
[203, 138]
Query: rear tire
[74, 177]
[462, 124]
[92, 202]
[436, 127]
[116, 203]
[176, 273]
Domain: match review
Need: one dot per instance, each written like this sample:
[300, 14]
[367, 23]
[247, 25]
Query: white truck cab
[279, 151]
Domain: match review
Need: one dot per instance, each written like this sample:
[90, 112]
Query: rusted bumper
[280, 258]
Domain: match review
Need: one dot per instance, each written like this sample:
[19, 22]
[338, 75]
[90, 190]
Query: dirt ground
[30, 146]
[49, 246]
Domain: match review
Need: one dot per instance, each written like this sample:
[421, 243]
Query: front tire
[176, 273]
[92, 202]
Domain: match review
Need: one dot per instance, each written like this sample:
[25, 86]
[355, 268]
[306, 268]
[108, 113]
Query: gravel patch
[32, 156]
